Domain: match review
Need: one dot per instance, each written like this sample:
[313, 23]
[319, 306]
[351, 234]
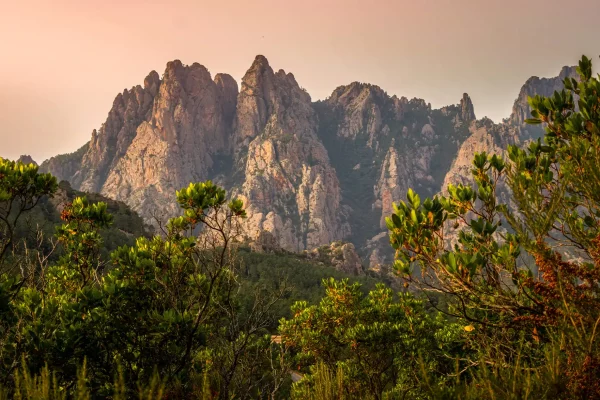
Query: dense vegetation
[191, 301]
[37, 227]
[502, 299]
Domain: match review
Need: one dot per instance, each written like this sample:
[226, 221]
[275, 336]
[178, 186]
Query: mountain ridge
[310, 172]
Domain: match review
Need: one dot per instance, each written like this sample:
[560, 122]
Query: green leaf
[413, 216]
[452, 261]
[397, 221]
[533, 121]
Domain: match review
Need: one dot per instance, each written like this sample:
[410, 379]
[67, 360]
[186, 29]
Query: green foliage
[377, 342]
[45, 387]
[515, 381]
[35, 231]
[186, 306]
[303, 278]
[81, 240]
[525, 273]
[322, 384]
[21, 188]
[168, 305]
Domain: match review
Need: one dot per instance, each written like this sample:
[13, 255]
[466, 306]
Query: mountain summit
[310, 173]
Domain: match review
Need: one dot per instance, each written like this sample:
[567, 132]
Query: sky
[62, 62]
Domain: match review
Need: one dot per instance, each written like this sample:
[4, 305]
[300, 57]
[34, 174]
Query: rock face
[467, 112]
[187, 127]
[111, 142]
[289, 186]
[342, 256]
[156, 139]
[537, 86]
[380, 147]
[310, 173]
[484, 136]
[66, 166]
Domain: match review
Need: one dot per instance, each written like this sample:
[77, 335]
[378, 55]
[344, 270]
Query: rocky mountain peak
[357, 92]
[226, 81]
[255, 100]
[152, 83]
[191, 78]
[420, 104]
[467, 112]
[568, 71]
[26, 159]
[260, 61]
[157, 138]
[289, 186]
[364, 107]
[265, 94]
[538, 86]
[111, 141]
[184, 89]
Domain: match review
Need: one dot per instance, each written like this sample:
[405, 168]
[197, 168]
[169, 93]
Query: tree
[377, 344]
[21, 188]
[525, 273]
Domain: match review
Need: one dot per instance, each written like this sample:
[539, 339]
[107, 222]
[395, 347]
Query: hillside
[44, 218]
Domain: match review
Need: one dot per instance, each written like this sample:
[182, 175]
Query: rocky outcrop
[288, 184]
[88, 168]
[363, 108]
[26, 159]
[393, 183]
[342, 256]
[537, 86]
[381, 146]
[66, 167]
[485, 136]
[110, 143]
[467, 112]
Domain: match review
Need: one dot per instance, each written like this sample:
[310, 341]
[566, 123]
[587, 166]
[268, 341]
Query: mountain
[310, 173]
[286, 177]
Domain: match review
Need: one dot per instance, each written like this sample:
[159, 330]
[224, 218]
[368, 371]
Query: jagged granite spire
[156, 139]
[467, 112]
[289, 186]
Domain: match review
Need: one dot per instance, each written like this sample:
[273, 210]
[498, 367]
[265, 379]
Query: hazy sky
[63, 62]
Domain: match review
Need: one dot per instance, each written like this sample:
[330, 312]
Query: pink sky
[63, 61]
